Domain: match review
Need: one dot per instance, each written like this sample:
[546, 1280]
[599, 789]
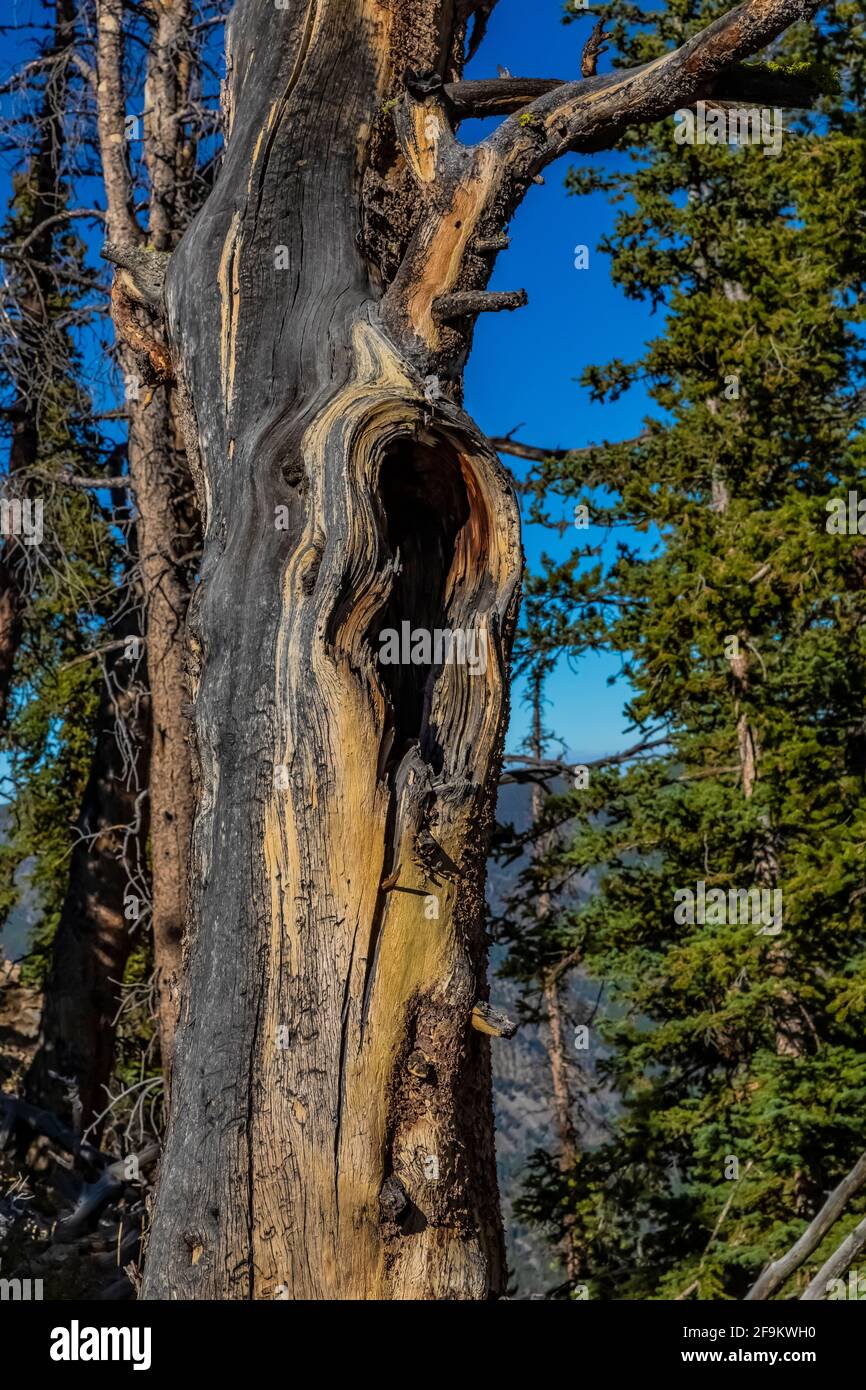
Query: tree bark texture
[344, 491]
[166, 530]
[310, 986]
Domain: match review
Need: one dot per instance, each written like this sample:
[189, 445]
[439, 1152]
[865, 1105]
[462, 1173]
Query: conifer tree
[737, 610]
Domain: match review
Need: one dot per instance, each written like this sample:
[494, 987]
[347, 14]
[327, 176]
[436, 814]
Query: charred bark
[345, 804]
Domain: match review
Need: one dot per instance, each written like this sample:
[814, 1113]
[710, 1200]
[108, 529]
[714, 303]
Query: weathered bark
[309, 986]
[344, 492]
[167, 533]
[95, 935]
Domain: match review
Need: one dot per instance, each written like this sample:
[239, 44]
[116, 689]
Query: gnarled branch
[592, 114]
[471, 302]
[472, 192]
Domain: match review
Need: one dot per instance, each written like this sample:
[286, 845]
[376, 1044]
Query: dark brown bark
[344, 492]
[166, 534]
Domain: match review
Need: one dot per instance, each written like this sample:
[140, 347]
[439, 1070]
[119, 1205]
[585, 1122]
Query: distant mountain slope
[521, 1075]
[16, 934]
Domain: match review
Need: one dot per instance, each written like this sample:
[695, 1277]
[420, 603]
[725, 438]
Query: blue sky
[525, 364]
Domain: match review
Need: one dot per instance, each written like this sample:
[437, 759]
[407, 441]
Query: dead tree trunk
[166, 531]
[332, 1131]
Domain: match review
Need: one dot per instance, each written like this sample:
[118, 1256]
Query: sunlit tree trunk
[167, 531]
[332, 1129]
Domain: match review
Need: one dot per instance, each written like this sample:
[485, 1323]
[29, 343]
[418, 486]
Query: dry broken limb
[777, 1274]
[504, 444]
[342, 495]
[593, 49]
[542, 770]
[837, 1264]
[111, 1184]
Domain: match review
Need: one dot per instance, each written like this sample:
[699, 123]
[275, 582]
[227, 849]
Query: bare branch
[120, 484]
[543, 769]
[592, 50]
[496, 96]
[776, 1274]
[59, 271]
[87, 72]
[504, 444]
[837, 1265]
[480, 18]
[592, 114]
[492, 243]
[65, 216]
[471, 302]
[471, 192]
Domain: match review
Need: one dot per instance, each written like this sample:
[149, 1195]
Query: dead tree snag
[345, 801]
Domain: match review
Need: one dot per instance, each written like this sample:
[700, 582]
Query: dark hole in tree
[425, 505]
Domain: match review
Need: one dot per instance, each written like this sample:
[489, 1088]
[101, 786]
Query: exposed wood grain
[345, 803]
